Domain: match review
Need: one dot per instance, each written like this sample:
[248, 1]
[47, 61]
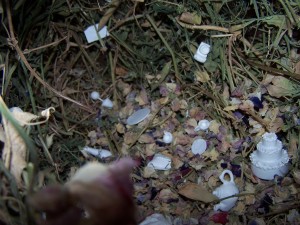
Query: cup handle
[223, 174]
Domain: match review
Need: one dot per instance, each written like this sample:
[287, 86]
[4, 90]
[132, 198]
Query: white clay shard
[138, 116]
[91, 33]
[202, 125]
[107, 103]
[168, 137]
[100, 153]
[160, 162]
[95, 95]
[199, 146]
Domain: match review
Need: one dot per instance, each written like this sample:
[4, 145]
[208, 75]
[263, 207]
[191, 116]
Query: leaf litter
[248, 85]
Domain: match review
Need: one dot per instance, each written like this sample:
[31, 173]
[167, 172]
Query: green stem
[167, 46]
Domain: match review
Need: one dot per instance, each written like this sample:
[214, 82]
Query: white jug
[228, 188]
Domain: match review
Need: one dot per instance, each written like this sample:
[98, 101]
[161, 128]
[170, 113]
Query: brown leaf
[197, 192]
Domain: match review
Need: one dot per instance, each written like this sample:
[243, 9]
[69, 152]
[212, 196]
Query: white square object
[91, 33]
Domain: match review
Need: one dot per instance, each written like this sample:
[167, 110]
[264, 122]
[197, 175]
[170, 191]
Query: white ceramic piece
[168, 137]
[228, 188]
[95, 95]
[199, 146]
[91, 33]
[202, 125]
[156, 219]
[202, 52]
[107, 103]
[160, 162]
[270, 158]
[138, 116]
[100, 153]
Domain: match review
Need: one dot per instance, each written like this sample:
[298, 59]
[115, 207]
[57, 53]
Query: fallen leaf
[142, 98]
[197, 192]
[213, 155]
[202, 76]
[282, 87]
[191, 18]
[15, 150]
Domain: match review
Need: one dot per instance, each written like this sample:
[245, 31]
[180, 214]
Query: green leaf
[276, 20]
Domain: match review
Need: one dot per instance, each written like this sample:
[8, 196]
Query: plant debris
[145, 70]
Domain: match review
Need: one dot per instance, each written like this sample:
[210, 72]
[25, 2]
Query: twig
[27, 51]
[113, 6]
[202, 27]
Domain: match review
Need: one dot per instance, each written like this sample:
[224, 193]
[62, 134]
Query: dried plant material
[129, 137]
[146, 139]
[14, 153]
[165, 195]
[276, 125]
[125, 88]
[196, 192]
[121, 71]
[214, 126]
[213, 155]
[296, 176]
[191, 18]
[120, 128]
[202, 76]
[142, 98]
[231, 108]
[282, 87]
[149, 172]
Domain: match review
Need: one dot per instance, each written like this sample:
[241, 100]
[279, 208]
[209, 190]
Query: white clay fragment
[105, 103]
[91, 33]
[202, 125]
[138, 116]
[156, 219]
[160, 162]
[95, 95]
[168, 137]
[199, 146]
[100, 153]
